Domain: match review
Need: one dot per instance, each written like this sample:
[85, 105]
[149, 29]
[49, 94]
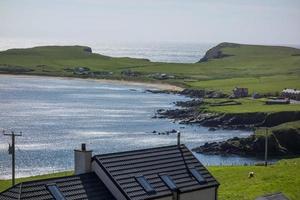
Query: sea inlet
[56, 115]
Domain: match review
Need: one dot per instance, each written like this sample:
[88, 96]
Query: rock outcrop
[216, 52]
[192, 115]
[280, 143]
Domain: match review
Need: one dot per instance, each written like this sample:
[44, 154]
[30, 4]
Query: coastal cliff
[283, 140]
[216, 52]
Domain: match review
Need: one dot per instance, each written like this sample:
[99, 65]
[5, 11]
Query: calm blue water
[57, 115]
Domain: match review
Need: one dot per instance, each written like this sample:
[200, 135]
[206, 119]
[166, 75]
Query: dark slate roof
[85, 186]
[276, 196]
[174, 161]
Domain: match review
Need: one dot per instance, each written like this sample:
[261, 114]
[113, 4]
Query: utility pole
[11, 150]
[266, 148]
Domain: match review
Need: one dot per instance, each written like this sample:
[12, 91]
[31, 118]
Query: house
[161, 173]
[291, 94]
[81, 71]
[240, 92]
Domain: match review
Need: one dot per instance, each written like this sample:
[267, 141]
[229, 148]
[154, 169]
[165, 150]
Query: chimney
[82, 160]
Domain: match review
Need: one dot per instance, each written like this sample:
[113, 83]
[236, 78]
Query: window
[197, 176]
[55, 192]
[145, 184]
[169, 182]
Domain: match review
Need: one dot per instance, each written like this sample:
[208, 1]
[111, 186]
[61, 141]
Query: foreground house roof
[155, 173]
[85, 186]
[138, 174]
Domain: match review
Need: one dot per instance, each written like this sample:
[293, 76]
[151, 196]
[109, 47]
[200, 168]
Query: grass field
[281, 177]
[248, 105]
[235, 184]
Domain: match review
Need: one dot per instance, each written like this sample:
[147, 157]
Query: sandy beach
[159, 86]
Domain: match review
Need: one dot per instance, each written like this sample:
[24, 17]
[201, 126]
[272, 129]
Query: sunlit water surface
[57, 115]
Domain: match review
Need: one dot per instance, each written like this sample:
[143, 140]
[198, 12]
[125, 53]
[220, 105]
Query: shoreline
[159, 86]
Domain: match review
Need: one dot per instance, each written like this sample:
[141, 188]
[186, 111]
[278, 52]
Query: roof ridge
[136, 150]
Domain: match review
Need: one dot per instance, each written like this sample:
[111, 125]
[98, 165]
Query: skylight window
[145, 184]
[169, 182]
[56, 193]
[198, 176]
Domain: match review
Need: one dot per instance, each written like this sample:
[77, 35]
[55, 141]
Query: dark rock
[280, 143]
[192, 103]
[212, 129]
[216, 52]
[193, 93]
[88, 49]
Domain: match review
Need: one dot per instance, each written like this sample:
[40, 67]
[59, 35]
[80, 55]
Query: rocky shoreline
[190, 113]
[281, 143]
[284, 142]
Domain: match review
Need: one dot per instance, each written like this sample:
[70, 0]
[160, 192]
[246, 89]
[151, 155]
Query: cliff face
[281, 142]
[216, 52]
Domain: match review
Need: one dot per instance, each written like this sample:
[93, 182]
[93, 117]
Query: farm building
[240, 92]
[291, 94]
[161, 173]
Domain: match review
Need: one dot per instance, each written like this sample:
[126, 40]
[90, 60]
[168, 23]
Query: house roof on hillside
[85, 186]
[155, 172]
[276, 196]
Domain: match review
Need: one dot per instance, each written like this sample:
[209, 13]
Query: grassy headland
[264, 69]
[235, 184]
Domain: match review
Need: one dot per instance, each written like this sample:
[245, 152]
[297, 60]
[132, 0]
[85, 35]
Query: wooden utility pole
[266, 148]
[11, 150]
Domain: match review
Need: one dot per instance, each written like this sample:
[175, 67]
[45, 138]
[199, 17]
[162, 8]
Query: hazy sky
[211, 21]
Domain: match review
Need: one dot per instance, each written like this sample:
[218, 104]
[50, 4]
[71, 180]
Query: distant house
[291, 94]
[162, 173]
[81, 71]
[240, 92]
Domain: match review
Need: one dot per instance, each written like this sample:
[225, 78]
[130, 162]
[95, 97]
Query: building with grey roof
[162, 173]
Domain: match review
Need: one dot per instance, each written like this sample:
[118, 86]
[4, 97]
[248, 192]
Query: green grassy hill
[281, 177]
[235, 184]
[264, 69]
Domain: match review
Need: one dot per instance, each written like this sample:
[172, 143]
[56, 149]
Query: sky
[195, 21]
